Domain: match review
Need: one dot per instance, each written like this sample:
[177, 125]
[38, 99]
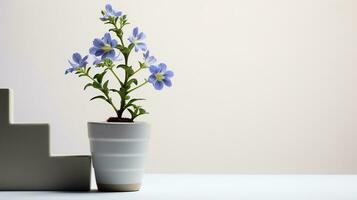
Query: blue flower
[109, 12]
[114, 59]
[104, 47]
[160, 76]
[148, 60]
[77, 62]
[136, 38]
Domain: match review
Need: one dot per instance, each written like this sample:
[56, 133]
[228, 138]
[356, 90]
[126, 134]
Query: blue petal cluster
[110, 12]
[160, 76]
[104, 47]
[116, 58]
[136, 39]
[148, 59]
[77, 62]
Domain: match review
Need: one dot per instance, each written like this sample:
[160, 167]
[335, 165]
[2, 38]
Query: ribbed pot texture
[118, 154]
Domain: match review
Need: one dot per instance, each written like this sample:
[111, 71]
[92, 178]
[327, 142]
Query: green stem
[139, 86]
[87, 75]
[116, 76]
[121, 41]
[113, 106]
[119, 36]
[126, 54]
[136, 71]
[109, 100]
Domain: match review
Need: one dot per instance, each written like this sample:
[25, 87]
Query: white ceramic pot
[118, 153]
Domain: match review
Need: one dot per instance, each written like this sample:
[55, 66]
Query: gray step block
[25, 160]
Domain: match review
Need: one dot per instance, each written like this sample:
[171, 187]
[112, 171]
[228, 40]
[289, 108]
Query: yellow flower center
[107, 47]
[159, 77]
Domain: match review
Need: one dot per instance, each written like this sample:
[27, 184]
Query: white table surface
[220, 187]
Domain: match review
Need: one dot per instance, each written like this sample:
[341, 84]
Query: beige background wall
[260, 87]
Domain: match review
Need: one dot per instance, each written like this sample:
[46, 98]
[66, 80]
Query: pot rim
[116, 123]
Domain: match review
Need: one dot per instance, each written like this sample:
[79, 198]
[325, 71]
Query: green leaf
[131, 46]
[114, 90]
[131, 102]
[137, 112]
[132, 113]
[96, 76]
[121, 92]
[121, 66]
[99, 77]
[120, 33]
[105, 86]
[88, 85]
[99, 97]
[131, 81]
[97, 85]
[129, 71]
[142, 65]
[142, 111]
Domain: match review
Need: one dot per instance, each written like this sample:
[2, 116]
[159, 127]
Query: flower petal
[103, 18]
[84, 58]
[162, 67]
[99, 52]
[153, 69]
[141, 46]
[83, 64]
[105, 55]
[135, 31]
[113, 43]
[107, 38]
[158, 85]
[117, 14]
[97, 61]
[141, 36]
[93, 50]
[152, 78]
[146, 55]
[111, 54]
[169, 74]
[151, 60]
[98, 43]
[77, 57]
[72, 64]
[167, 82]
[117, 58]
[67, 71]
[131, 39]
[108, 8]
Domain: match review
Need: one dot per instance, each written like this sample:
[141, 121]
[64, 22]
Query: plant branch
[116, 76]
[136, 71]
[108, 99]
[139, 86]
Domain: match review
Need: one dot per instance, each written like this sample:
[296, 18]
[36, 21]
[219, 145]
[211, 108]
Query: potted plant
[118, 145]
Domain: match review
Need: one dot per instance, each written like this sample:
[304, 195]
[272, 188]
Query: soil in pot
[116, 119]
